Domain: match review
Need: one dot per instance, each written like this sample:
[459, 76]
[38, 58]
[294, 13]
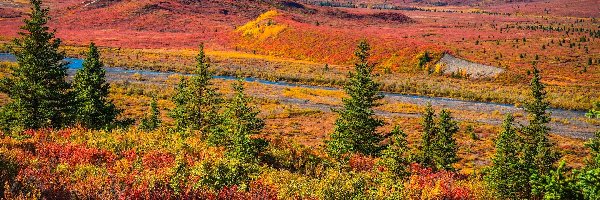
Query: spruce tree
[438, 146]
[239, 127]
[356, 126]
[506, 176]
[428, 137]
[152, 120]
[445, 145]
[94, 109]
[197, 99]
[539, 154]
[37, 86]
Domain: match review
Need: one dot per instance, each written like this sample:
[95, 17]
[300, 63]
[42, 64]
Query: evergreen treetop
[152, 120]
[37, 86]
[428, 137]
[94, 109]
[539, 152]
[506, 176]
[445, 145]
[240, 125]
[356, 126]
[197, 99]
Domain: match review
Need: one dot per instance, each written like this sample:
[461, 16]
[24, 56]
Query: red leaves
[53, 168]
[361, 163]
[130, 155]
[74, 154]
[425, 183]
[258, 191]
[157, 159]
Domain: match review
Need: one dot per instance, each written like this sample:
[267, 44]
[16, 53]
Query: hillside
[302, 30]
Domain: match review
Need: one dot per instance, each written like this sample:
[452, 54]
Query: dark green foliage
[438, 146]
[94, 109]
[226, 172]
[396, 157]
[197, 100]
[588, 182]
[152, 120]
[424, 59]
[445, 145]
[355, 128]
[535, 153]
[506, 176]
[239, 126]
[539, 153]
[38, 89]
[581, 184]
[428, 137]
[557, 185]
[594, 146]
[588, 179]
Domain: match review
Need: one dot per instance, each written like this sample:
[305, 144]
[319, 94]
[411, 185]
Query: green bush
[594, 112]
[225, 173]
[338, 185]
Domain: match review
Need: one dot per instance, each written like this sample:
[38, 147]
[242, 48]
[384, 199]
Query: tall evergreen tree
[428, 137]
[356, 126]
[94, 109]
[38, 88]
[539, 153]
[445, 144]
[239, 127]
[506, 176]
[197, 100]
[152, 121]
[438, 146]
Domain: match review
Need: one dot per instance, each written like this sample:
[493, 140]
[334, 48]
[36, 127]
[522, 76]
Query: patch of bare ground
[452, 65]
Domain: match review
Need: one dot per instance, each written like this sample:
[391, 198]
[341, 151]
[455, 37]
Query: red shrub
[74, 154]
[361, 163]
[425, 183]
[130, 155]
[157, 159]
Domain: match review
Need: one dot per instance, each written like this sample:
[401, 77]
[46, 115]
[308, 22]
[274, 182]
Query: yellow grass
[263, 27]
[329, 97]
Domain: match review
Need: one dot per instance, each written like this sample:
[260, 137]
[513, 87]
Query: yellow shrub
[263, 27]
[439, 69]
